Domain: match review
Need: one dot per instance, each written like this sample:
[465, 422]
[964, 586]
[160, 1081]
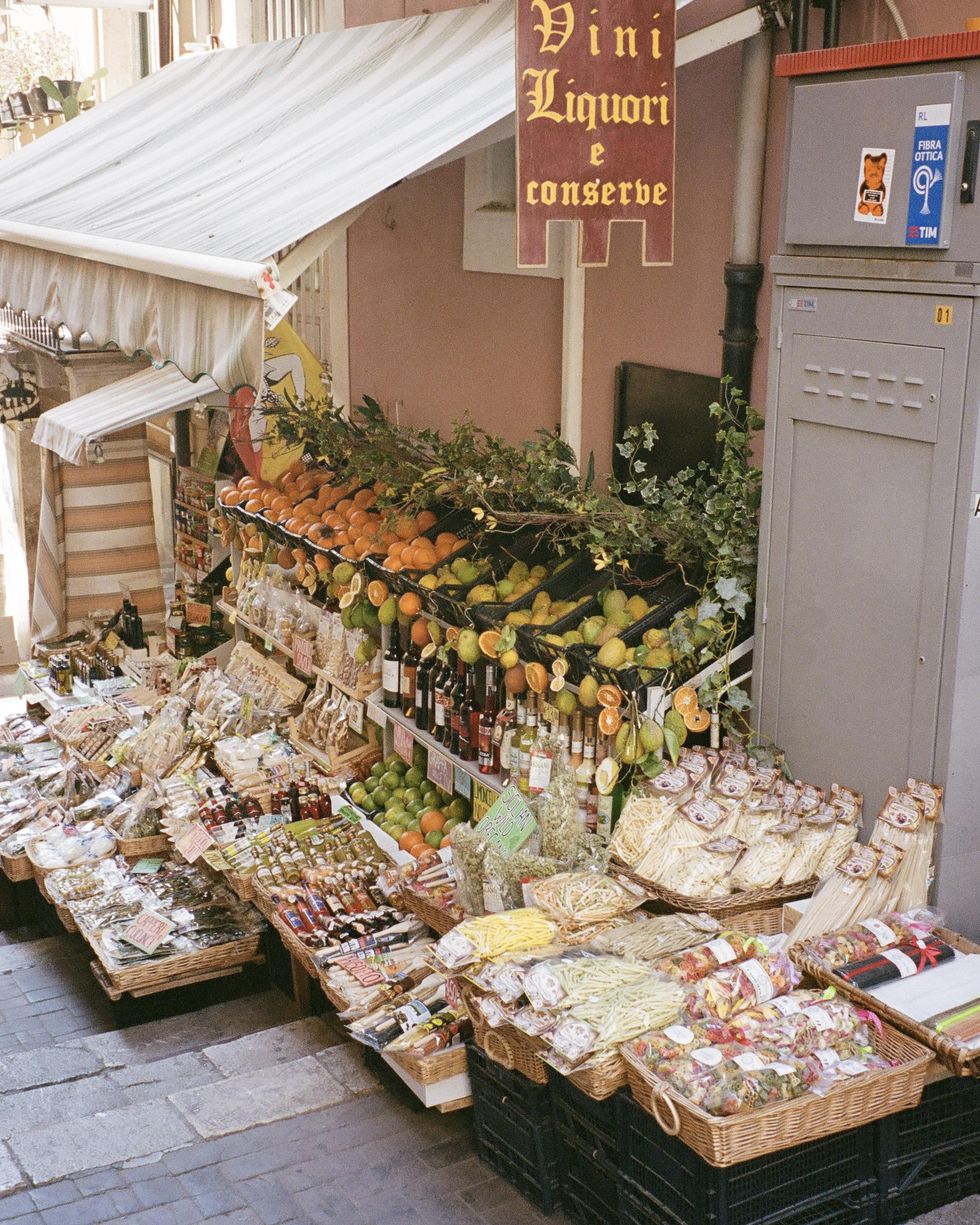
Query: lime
[458, 809]
[435, 838]
[393, 761]
[381, 797]
[416, 825]
[378, 769]
[358, 793]
[391, 780]
[431, 798]
[412, 793]
[370, 804]
[414, 777]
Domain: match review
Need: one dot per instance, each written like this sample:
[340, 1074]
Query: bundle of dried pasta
[816, 830]
[656, 936]
[908, 821]
[762, 865]
[704, 872]
[695, 823]
[845, 897]
[644, 815]
[581, 898]
[495, 934]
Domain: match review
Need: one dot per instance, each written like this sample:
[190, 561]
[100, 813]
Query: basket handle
[660, 1101]
[504, 1055]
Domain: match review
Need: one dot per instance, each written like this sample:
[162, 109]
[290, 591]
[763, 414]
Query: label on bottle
[577, 744]
[408, 682]
[439, 711]
[486, 743]
[539, 772]
[390, 674]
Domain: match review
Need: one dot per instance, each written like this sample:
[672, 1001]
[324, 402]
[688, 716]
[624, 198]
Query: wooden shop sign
[595, 130]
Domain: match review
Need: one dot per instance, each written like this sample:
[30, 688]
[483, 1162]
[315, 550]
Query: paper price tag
[463, 783]
[303, 655]
[483, 799]
[147, 931]
[198, 614]
[355, 716]
[147, 866]
[404, 743]
[549, 712]
[440, 770]
[194, 843]
[111, 640]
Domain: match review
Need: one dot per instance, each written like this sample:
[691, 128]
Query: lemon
[606, 775]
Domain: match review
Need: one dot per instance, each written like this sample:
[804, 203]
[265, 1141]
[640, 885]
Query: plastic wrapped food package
[728, 947]
[580, 898]
[493, 935]
[762, 865]
[812, 841]
[871, 935]
[705, 871]
[657, 935]
[735, 988]
[578, 977]
[614, 1018]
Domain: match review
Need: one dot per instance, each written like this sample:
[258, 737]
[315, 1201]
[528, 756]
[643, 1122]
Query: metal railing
[37, 331]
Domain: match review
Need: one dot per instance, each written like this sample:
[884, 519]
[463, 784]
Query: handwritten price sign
[148, 931]
[194, 843]
[440, 770]
[404, 743]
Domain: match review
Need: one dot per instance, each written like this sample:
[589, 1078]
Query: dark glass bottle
[488, 746]
[410, 665]
[457, 695]
[441, 687]
[391, 670]
[136, 622]
[469, 719]
[425, 674]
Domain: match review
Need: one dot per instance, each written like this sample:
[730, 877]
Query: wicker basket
[440, 918]
[601, 1081]
[506, 1045]
[183, 968]
[241, 884]
[430, 1069]
[757, 1133]
[66, 917]
[154, 844]
[722, 908]
[956, 1059]
[39, 872]
[16, 867]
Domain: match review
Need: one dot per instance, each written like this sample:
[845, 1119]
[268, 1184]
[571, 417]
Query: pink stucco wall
[442, 340]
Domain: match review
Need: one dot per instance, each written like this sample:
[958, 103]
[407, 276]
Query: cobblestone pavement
[239, 1112]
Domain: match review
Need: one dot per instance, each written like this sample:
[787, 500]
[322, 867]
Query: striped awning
[152, 221]
[127, 402]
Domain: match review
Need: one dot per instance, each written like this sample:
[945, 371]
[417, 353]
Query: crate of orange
[417, 544]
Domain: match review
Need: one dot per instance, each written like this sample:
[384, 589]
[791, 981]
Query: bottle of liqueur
[577, 743]
[542, 760]
[585, 776]
[528, 736]
[410, 665]
[456, 705]
[503, 735]
[517, 731]
[391, 670]
[428, 666]
[488, 744]
[469, 719]
[441, 719]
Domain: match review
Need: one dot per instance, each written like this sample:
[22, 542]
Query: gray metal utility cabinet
[868, 633]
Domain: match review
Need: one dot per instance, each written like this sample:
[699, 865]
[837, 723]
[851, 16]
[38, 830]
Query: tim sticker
[874, 185]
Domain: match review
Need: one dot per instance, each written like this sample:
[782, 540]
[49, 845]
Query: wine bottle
[391, 670]
[469, 719]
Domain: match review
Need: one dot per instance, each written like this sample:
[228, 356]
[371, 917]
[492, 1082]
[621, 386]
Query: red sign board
[595, 131]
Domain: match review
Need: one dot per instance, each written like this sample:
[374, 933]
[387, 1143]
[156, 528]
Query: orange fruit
[300, 556]
[425, 558]
[409, 604]
[609, 695]
[350, 552]
[697, 720]
[610, 721]
[431, 821]
[425, 520]
[423, 852]
[377, 592]
[537, 677]
[514, 679]
[409, 839]
[443, 550]
[344, 505]
[365, 497]
[686, 700]
[253, 504]
[405, 528]
[420, 631]
[322, 563]
[231, 497]
[488, 643]
[447, 841]
[394, 566]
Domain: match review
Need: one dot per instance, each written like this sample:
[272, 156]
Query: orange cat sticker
[874, 185]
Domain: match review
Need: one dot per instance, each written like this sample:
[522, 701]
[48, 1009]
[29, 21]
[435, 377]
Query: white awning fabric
[128, 402]
[149, 221]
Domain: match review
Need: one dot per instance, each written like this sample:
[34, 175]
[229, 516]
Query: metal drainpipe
[743, 272]
[800, 24]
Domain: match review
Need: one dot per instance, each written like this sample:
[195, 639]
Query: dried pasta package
[705, 871]
[656, 936]
[578, 977]
[644, 815]
[736, 988]
[762, 865]
[697, 821]
[493, 935]
[732, 1078]
[815, 833]
[786, 1005]
[606, 1023]
[757, 820]
[816, 1027]
[727, 948]
[680, 1040]
[838, 847]
[469, 852]
[870, 936]
[580, 898]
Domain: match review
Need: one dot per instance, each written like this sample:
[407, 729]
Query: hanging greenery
[704, 519]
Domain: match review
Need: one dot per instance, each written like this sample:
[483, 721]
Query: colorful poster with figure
[874, 185]
[291, 374]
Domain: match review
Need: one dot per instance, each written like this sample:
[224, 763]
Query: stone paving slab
[269, 1047]
[346, 1063]
[144, 1082]
[49, 1153]
[47, 1066]
[47, 952]
[58, 1103]
[10, 1176]
[263, 1096]
[192, 1031]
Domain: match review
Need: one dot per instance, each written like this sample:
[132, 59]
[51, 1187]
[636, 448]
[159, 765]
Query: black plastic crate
[591, 1126]
[858, 1208]
[826, 1182]
[588, 1153]
[576, 577]
[514, 1129]
[930, 1156]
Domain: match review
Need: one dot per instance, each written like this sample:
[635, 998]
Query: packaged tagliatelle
[735, 988]
[693, 964]
[493, 935]
[577, 977]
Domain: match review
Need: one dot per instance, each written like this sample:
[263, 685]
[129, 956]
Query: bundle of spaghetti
[908, 821]
[842, 898]
[756, 821]
[656, 936]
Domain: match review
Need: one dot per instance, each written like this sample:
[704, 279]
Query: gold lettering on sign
[556, 25]
[590, 110]
[595, 154]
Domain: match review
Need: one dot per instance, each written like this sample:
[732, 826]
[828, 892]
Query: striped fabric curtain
[96, 532]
